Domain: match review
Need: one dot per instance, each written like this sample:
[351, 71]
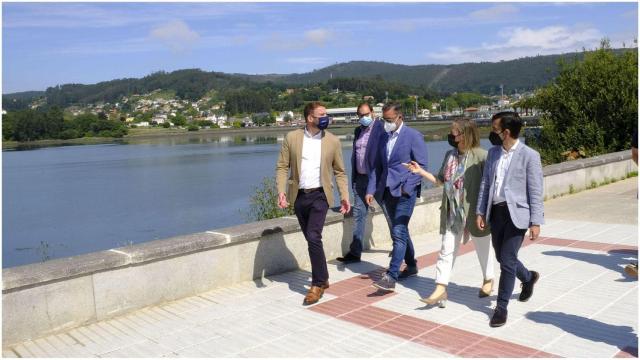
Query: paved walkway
[584, 305]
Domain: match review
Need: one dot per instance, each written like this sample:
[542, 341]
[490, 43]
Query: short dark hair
[364, 104]
[393, 106]
[509, 120]
[310, 107]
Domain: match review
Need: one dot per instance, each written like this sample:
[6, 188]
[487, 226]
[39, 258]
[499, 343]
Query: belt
[306, 191]
[501, 204]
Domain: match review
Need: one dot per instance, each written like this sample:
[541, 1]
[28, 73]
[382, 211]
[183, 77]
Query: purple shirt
[361, 149]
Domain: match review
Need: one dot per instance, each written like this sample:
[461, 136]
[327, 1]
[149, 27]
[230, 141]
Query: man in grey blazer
[510, 199]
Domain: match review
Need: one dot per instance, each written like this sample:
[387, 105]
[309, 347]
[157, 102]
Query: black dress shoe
[409, 271]
[349, 258]
[499, 317]
[527, 287]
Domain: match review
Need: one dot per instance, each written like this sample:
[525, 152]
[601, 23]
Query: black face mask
[452, 140]
[495, 139]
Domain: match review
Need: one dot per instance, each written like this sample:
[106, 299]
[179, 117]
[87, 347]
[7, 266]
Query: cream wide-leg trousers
[449, 251]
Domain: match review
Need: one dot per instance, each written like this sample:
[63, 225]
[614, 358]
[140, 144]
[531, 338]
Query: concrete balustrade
[44, 298]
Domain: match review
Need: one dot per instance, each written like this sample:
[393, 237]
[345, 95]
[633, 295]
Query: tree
[179, 120]
[592, 106]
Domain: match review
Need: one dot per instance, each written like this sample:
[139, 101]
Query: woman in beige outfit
[460, 175]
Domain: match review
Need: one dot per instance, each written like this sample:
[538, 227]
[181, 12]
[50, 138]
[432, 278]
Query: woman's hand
[413, 166]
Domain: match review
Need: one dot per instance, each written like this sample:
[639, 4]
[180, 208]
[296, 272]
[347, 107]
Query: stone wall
[40, 299]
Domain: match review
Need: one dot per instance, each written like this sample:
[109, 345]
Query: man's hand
[534, 231]
[282, 201]
[480, 222]
[345, 206]
[368, 199]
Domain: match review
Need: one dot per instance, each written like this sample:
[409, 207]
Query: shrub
[264, 202]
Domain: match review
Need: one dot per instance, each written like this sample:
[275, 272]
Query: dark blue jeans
[507, 240]
[398, 212]
[360, 211]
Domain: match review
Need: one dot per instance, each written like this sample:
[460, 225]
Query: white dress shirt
[501, 171]
[392, 140]
[310, 163]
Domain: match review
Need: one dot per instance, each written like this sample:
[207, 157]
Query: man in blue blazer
[366, 142]
[396, 189]
[510, 198]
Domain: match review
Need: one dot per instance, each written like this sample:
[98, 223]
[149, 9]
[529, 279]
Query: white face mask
[389, 127]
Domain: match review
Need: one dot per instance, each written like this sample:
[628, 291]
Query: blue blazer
[409, 146]
[371, 152]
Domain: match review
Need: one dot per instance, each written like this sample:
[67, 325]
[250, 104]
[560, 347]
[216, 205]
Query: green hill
[522, 74]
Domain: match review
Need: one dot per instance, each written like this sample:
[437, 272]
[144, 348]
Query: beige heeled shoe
[440, 299]
[486, 289]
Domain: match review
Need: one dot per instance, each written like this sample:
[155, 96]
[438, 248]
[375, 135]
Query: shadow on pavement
[460, 294]
[589, 329]
[274, 260]
[613, 260]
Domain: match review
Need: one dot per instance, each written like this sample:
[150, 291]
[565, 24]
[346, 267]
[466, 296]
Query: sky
[46, 44]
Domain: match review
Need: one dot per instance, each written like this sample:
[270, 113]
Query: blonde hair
[469, 131]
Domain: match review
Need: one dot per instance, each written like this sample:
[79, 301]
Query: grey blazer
[523, 186]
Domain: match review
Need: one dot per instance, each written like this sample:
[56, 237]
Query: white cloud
[551, 37]
[494, 11]
[520, 42]
[176, 35]
[85, 15]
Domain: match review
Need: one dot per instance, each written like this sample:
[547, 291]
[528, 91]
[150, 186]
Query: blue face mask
[366, 120]
[323, 122]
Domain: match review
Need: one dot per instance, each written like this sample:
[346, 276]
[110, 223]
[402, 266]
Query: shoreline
[432, 131]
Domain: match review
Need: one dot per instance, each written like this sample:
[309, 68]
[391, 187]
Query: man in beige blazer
[307, 158]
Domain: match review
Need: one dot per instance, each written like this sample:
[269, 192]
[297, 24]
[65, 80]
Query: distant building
[348, 115]
[503, 102]
[160, 119]
[280, 119]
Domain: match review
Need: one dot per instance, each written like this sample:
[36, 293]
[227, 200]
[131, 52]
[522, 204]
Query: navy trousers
[311, 211]
[507, 240]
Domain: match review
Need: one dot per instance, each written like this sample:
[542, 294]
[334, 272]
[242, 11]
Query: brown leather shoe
[314, 294]
[325, 285]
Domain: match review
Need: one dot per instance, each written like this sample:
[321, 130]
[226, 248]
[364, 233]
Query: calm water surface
[64, 201]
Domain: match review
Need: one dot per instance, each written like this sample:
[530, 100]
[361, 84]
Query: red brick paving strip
[355, 296]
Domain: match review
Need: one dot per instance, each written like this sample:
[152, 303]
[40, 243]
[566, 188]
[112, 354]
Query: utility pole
[416, 116]
[386, 97]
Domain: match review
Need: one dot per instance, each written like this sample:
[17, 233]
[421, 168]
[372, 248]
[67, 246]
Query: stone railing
[44, 298]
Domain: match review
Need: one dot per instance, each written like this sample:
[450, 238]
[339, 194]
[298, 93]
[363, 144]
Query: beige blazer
[331, 162]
